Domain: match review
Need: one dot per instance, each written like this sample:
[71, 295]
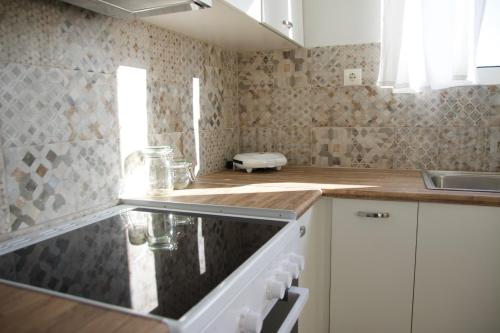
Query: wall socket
[353, 77]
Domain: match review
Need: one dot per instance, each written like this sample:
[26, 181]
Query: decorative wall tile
[364, 56]
[38, 179]
[331, 146]
[82, 40]
[361, 126]
[101, 159]
[322, 108]
[132, 43]
[21, 24]
[416, 148]
[256, 108]
[91, 106]
[214, 151]
[462, 148]
[32, 106]
[423, 110]
[372, 147]
[325, 68]
[4, 210]
[466, 106]
[494, 102]
[232, 143]
[292, 107]
[212, 99]
[58, 113]
[292, 68]
[363, 106]
[248, 139]
[36, 183]
[296, 154]
[256, 70]
[4, 220]
[493, 149]
[55, 34]
[163, 55]
[193, 56]
[45, 105]
[270, 139]
[170, 106]
[174, 140]
[189, 146]
[294, 134]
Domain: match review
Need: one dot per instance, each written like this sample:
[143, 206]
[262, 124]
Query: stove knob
[285, 277]
[275, 289]
[250, 322]
[292, 268]
[297, 259]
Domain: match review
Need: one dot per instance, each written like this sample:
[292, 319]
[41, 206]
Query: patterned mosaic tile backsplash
[59, 129]
[294, 101]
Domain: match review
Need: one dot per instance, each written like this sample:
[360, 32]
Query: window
[132, 111]
[488, 48]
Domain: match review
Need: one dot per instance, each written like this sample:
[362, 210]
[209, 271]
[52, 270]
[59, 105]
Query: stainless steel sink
[462, 181]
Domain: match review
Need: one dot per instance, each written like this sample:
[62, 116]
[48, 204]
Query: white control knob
[297, 259]
[292, 268]
[275, 289]
[284, 277]
[250, 322]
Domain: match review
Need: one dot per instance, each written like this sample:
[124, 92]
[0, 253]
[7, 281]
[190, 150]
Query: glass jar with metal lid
[157, 168]
[182, 174]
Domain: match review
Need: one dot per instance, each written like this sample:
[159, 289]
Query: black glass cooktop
[150, 261]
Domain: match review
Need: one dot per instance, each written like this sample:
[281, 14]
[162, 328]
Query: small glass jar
[162, 233]
[182, 174]
[158, 172]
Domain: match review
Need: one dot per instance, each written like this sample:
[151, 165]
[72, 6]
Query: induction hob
[146, 260]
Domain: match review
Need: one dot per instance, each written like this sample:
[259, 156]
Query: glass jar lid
[157, 151]
[181, 164]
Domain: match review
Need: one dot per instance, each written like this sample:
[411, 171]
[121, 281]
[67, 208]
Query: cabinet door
[275, 15]
[284, 17]
[373, 262]
[252, 8]
[295, 15]
[457, 278]
[315, 246]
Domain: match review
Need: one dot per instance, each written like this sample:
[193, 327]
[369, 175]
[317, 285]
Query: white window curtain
[429, 43]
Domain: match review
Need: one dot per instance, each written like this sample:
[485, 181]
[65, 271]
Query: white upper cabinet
[284, 17]
[239, 24]
[252, 8]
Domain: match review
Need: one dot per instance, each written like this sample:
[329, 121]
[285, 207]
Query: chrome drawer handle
[376, 215]
[288, 24]
[302, 231]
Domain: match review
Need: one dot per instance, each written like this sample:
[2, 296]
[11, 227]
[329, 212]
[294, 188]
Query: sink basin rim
[429, 175]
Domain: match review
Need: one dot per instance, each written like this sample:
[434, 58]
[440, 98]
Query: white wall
[339, 22]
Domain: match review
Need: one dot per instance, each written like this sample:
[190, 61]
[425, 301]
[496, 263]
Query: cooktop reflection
[150, 261]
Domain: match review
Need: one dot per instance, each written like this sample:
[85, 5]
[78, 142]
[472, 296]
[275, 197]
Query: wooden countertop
[23, 310]
[348, 183]
[294, 198]
[293, 188]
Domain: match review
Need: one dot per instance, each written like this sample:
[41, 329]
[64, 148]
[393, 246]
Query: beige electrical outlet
[353, 77]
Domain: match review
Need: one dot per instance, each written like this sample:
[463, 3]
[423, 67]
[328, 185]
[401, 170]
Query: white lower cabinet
[373, 257]
[457, 280]
[315, 244]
